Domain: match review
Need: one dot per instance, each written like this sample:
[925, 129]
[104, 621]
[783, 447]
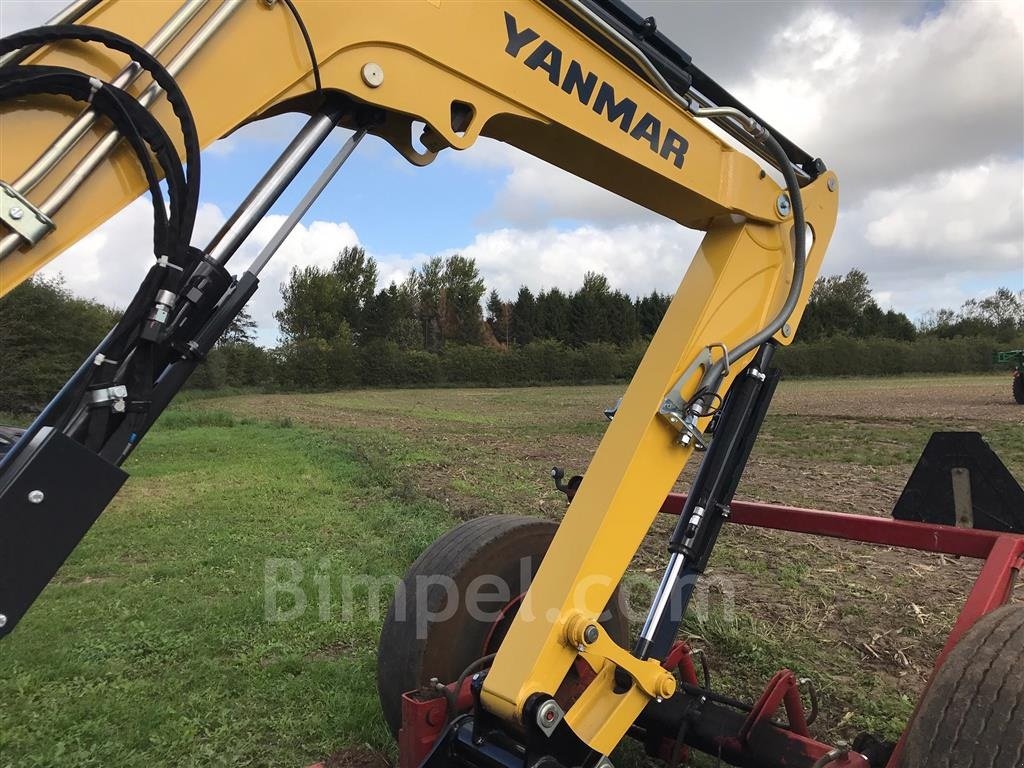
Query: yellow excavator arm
[583, 84]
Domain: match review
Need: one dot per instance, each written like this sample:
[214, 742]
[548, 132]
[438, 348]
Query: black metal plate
[996, 498]
[35, 538]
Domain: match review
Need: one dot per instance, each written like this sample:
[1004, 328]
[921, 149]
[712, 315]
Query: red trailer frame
[760, 740]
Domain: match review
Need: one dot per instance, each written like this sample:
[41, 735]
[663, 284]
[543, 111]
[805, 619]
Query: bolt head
[16, 213]
[547, 714]
[590, 634]
[782, 205]
[831, 184]
[3, 621]
[787, 330]
[36, 497]
[373, 75]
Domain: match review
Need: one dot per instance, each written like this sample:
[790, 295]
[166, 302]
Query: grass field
[152, 646]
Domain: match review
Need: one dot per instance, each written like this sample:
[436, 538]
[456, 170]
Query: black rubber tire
[973, 713]
[1018, 388]
[485, 546]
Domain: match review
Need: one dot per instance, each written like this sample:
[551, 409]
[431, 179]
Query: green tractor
[1016, 358]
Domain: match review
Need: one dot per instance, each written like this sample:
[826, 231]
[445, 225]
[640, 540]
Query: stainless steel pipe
[81, 125]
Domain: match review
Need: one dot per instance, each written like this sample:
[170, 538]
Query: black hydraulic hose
[161, 76]
[145, 134]
[33, 80]
[309, 46]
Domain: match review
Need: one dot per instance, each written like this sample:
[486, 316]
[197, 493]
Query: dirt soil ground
[864, 622]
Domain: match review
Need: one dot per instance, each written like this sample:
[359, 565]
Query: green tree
[356, 274]
[623, 327]
[552, 316]
[649, 312]
[318, 302]
[1000, 315]
[588, 311]
[45, 334]
[843, 305]
[447, 293]
[499, 318]
[242, 330]
[427, 285]
[463, 288]
[524, 317]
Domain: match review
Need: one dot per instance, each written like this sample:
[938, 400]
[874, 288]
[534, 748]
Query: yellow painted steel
[737, 280]
[432, 54]
[443, 59]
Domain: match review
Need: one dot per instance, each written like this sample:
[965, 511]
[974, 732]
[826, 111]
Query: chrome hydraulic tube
[256, 205]
[69, 15]
[81, 125]
[98, 154]
[304, 204]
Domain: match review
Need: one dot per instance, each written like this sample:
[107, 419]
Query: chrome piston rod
[98, 154]
[257, 203]
[307, 200]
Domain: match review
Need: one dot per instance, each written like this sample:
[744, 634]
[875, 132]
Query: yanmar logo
[597, 94]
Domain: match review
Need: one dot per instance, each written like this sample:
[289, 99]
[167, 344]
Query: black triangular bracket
[960, 481]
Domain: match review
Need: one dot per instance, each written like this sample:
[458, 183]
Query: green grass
[152, 648]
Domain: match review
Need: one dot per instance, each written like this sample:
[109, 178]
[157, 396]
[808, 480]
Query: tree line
[441, 303]
[338, 329]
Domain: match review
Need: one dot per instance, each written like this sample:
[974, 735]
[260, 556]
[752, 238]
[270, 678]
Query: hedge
[315, 364]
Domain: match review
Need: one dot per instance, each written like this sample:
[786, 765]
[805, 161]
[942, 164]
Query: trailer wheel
[973, 713]
[469, 557]
[1018, 387]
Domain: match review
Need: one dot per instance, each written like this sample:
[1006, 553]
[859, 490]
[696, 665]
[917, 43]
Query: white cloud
[636, 258]
[885, 101]
[939, 214]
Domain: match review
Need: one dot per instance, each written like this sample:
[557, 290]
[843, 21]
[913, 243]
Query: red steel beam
[966, 542]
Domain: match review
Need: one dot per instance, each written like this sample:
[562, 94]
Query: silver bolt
[787, 331]
[548, 715]
[831, 183]
[590, 634]
[373, 75]
[16, 213]
[3, 621]
[782, 205]
[36, 497]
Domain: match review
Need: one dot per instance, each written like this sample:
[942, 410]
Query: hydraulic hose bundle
[128, 354]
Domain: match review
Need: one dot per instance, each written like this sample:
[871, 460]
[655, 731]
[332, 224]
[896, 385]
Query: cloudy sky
[918, 105]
